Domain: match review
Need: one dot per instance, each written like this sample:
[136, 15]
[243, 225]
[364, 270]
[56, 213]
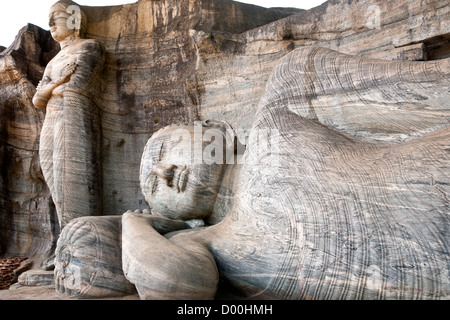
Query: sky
[15, 14]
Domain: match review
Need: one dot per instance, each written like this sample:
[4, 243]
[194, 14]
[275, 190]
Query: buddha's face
[176, 183]
[59, 27]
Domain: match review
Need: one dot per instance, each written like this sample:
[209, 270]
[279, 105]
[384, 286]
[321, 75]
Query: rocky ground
[12, 289]
[18, 292]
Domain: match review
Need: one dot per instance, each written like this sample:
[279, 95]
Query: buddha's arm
[161, 269]
[90, 62]
[46, 87]
[386, 100]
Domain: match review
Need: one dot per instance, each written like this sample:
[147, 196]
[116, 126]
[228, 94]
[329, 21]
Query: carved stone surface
[37, 278]
[147, 62]
[69, 148]
[232, 71]
[360, 144]
[150, 55]
[342, 216]
[88, 259]
[188, 268]
[327, 206]
[182, 150]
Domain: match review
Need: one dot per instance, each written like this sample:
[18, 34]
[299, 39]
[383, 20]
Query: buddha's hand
[66, 72]
[160, 224]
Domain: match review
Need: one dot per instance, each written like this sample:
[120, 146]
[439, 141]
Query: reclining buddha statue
[343, 193]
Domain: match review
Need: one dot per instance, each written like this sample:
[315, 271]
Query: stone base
[36, 278]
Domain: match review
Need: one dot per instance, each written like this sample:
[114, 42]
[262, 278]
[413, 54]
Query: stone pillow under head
[88, 256]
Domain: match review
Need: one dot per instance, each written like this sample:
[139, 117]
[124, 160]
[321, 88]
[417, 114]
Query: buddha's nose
[165, 172]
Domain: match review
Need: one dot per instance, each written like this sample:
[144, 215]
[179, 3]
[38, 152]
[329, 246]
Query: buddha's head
[66, 19]
[182, 168]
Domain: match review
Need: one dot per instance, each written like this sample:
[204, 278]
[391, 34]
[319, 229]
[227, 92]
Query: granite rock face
[233, 70]
[27, 216]
[179, 61]
[147, 62]
[172, 62]
[150, 55]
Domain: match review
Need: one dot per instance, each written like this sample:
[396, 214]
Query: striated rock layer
[149, 55]
[233, 69]
[339, 214]
[178, 61]
[326, 206]
[27, 215]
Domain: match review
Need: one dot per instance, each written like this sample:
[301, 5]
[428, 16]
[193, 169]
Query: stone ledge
[415, 52]
[34, 278]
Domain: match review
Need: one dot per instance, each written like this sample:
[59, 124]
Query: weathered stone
[185, 149]
[89, 256]
[145, 250]
[132, 108]
[28, 224]
[172, 62]
[69, 149]
[18, 292]
[228, 83]
[415, 52]
[88, 259]
[150, 54]
[343, 193]
[36, 278]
